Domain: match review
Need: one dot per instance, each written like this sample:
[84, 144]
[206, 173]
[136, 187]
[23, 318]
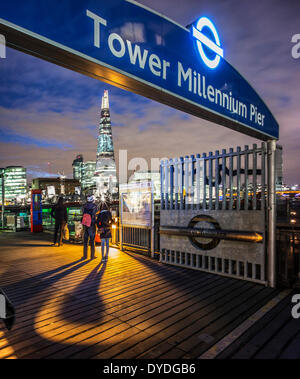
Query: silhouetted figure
[89, 224]
[60, 214]
[104, 223]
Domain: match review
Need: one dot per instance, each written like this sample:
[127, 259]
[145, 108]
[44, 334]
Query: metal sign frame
[133, 47]
[123, 190]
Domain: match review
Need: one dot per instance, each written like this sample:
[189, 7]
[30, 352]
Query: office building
[87, 176]
[77, 167]
[56, 186]
[15, 183]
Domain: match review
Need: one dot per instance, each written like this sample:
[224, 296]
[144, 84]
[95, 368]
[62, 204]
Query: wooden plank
[182, 321]
[161, 315]
[93, 309]
[76, 342]
[172, 298]
[276, 345]
[292, 350]
[253, 345]
[114, 343]
[227, 323]
[255, 329]
[194, 329]
[135, 307]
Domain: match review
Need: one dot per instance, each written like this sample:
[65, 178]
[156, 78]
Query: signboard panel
[136, 204]
[51, 191]
[132, 47]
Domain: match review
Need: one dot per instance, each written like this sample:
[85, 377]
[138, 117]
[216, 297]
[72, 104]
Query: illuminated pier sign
[132, 47]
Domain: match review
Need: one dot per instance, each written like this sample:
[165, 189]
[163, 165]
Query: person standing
[60, 214]
[104, 222]
[89, 224]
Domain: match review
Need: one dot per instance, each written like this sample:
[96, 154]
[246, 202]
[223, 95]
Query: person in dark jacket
[104, 222]
[60, 214]
[89, 232]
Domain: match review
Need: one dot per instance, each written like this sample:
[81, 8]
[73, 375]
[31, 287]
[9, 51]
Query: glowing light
[204, 40]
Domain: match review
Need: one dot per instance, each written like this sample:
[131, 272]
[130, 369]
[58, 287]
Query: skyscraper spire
[106, 173]
[105, 101]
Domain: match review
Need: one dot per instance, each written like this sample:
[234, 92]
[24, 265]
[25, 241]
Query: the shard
[105, 173]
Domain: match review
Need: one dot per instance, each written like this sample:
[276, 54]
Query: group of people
[94, 219]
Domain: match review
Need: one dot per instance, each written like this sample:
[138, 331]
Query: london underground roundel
[204, 41]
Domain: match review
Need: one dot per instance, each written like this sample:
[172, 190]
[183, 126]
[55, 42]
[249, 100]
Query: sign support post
[271, 198]
[121, 222]
[152, 222]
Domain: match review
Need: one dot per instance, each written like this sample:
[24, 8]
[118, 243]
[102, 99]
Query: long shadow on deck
[88, 292]
[32, 287]
[244, 298]
[83, 305]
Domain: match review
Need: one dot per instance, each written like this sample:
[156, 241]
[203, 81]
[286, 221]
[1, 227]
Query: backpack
[104, 219]
[86, 220]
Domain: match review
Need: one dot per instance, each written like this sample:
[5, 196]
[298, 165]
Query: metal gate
[213, 212]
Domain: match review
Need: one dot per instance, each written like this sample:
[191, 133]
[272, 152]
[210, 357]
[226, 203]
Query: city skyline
[50, 114]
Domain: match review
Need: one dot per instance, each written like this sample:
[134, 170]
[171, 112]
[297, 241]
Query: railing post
[162, 185]
[176, 187]
[186, 181]
[152, 247]
[198, 189]
[271, 256]
[167, 181]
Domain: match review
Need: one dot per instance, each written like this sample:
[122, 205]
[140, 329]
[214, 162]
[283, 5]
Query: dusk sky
[50, 114]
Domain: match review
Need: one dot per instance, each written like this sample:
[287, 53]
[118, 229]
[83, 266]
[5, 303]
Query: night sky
[50, 114]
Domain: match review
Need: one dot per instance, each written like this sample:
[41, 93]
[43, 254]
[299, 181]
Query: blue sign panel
[122, 36]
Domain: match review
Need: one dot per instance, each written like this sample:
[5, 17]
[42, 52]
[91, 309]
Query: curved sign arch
[132, 47]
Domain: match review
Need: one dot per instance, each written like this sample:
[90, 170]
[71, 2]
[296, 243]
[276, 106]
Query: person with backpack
[89, 224]
[60, 214]
[104, 223]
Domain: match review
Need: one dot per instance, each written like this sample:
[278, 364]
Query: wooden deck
[131, 307]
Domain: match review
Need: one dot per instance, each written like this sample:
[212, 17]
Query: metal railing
[288, 254]
[233, 180]
[136, 237]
